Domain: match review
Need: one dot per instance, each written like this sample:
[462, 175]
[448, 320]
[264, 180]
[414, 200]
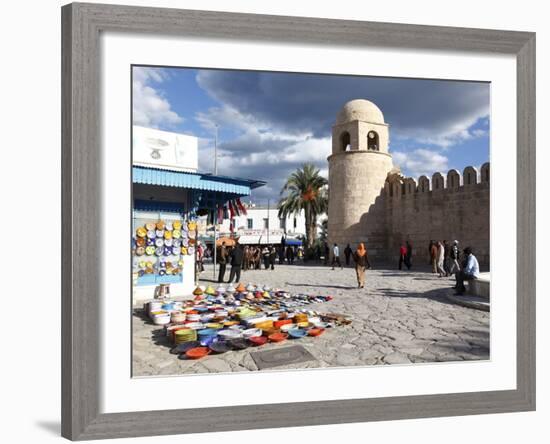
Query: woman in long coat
[361, 259]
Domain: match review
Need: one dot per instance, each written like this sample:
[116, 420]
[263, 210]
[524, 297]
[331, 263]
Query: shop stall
[167, 205]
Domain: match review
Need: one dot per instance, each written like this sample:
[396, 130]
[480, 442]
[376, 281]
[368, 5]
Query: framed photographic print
[287, 220]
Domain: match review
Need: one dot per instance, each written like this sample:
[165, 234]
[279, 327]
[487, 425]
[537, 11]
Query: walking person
[200, 257]
[447, 259]
[454, 255]
[272, 257]
[236, 257]
[469, 272]
[361, 259]
[336, 257]
[222, 255]
[265, 257]
[347, 254]
[327, 252]
[290, 255]
[433, 256]
[440, 259]
[402, 254]
[408, 255]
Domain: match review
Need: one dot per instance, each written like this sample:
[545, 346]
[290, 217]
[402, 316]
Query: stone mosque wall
[447, 207]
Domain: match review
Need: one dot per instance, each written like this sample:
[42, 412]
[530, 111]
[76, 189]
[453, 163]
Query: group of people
[444, 258]
[445, 261]
[251, 258]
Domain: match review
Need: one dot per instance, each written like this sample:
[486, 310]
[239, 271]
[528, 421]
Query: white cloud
[421, 162]
[150, 108]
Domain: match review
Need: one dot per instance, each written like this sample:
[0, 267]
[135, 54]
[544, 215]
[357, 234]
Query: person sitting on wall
[469, 272]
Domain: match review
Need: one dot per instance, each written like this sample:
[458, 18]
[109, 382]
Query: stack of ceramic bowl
[160, 317]
[229, 334]
[154, 306]
[206, 335]
[300, 318]
[252, 332]
[185, 335]
[194, 325]
[177, 317]
[168, 306]
[286, 327]
[193, 317]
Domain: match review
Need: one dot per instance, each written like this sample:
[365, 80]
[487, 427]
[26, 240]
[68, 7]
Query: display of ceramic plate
[150, 250]
[176, 251]
[150, 242]
[168, 242]
[160, 225]
[177, 225]
[169, 226]
[159, 251]
[191, 250]
[150, 226]
[159, 242]
[159, 233]
[140, 251]
[141, 232]
[176, 234]
[184, 346]
[219, 347]
[151, 234]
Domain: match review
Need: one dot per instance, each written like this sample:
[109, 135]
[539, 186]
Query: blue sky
[269, 124]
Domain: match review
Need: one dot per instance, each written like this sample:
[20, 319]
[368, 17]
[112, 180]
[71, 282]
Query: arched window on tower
[372, 141]
[345, 141]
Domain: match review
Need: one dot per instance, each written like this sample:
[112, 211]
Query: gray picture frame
[81, 211]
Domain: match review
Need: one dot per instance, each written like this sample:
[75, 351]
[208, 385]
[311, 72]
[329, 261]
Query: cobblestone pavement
[400, 317]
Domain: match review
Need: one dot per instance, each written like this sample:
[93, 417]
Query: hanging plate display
[168, 242]
[177, 225]
[150, 226]
[191, 251]
[167, 234]
[176, 251]
[160, 225]
[159, 242]
[140, 242]
[150, 250]
[159, 233]
[176, 234]
[159, 251]
[191, 234]
[141, 232]
[151, 234]
[169, 226]
[140, 251]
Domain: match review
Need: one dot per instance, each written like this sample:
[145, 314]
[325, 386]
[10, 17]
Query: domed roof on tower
[359, 109]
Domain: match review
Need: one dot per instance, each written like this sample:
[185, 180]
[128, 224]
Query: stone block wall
[448, 207]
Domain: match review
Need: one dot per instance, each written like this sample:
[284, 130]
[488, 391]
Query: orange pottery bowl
[197, 352]
[258, 340]
[316, 331]
[278, 337]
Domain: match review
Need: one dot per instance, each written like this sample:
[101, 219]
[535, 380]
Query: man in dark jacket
[236, 258]
[347, 253]
[221, 256]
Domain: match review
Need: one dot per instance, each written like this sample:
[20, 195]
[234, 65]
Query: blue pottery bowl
[297, 333]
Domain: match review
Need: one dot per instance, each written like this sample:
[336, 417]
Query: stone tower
[358, 168]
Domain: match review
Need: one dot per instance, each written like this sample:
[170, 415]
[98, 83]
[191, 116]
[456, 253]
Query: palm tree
[305, 190]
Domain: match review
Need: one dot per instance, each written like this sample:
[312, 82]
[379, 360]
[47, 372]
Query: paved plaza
[400, 317]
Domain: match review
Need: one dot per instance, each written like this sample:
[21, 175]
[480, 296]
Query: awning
[194, 181]
[293, 242]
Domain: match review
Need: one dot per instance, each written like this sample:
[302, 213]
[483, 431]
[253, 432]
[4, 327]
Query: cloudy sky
[269, 124]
